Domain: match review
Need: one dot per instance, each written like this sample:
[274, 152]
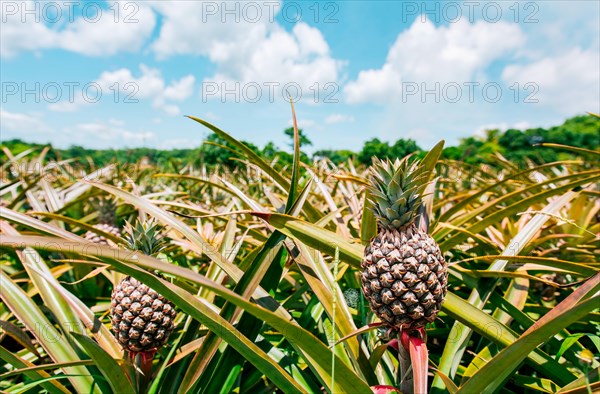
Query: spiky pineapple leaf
[319, 356]
[315, 236]
[29, 370]
[55, 345]
[567, 312]
[431, 158]
[453, 350]
[313, 213]
[110, 369]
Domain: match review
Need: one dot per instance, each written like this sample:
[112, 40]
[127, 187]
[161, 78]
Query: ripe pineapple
[404, 274]
[142, 319]
[106, 222]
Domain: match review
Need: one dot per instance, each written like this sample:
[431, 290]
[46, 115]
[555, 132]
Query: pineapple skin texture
[404, 277]
[142, 319]
[99, 239]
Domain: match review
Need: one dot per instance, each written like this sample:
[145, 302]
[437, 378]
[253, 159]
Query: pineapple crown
[396, 191]
[145, 236]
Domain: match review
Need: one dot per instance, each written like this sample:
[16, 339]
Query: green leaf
[493, 330]
[431, 158]
[52, 386]
[583, 384]
[16, 333]
[495, 215]
[571, 148]
[560, 317]
[109, 368]
[538, 384]
[476, 196]
[313, 213]
[57, 347]
[79, 223]
[316, 352]
[566, 344]
[315, 236]
[368, 224]
[454, 350]
[295, 165]
[508, 359]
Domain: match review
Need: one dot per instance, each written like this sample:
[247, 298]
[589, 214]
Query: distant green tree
[382, 150]
[336, 156]
[404, 147]
[304, 140]
[270, 150]
[373, 148]
[516, 145]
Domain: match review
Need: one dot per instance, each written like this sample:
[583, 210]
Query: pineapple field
[415, 274]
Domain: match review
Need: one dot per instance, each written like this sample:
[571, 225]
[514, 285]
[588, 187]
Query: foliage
[516, 145]
[304, 140]
[377, 148]
[258, 260]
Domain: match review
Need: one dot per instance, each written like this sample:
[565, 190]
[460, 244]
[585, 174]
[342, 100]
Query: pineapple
[106, 222]
[404, 275]
[142, 319]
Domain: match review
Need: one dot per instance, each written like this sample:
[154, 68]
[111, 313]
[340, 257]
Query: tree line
[516, 145]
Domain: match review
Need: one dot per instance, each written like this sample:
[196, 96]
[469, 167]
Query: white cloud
[180, 90]
[22, 123]
[100, 135]
[252, 50]
[502, 126]
[569, 83]
[338, 118]
[246, 46]
[97, 135]
[149, 85]
[423, 136]
[303, 123]
[116, 122]
[423, 53]
[301, 58]
[123, 27]
[214, 31]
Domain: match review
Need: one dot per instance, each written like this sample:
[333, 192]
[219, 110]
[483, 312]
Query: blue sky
[106, 74]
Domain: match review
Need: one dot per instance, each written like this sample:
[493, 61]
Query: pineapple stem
[413, 357]
[143, 362]
[405, 375]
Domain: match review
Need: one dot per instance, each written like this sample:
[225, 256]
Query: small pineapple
[404, 275]
[142, 319]
[106, 222]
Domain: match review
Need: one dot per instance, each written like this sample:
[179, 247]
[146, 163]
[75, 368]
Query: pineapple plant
[404, 275]
[106, 222]
[142, 319]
